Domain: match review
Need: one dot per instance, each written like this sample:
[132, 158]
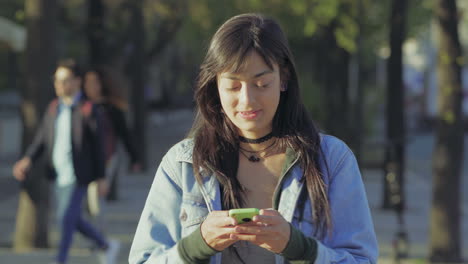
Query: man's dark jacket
[87, 150]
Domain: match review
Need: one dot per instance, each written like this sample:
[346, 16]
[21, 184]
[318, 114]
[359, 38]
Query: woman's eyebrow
[233, 77]
[262, 73]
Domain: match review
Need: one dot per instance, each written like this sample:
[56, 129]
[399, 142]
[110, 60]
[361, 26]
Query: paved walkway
[166, 129]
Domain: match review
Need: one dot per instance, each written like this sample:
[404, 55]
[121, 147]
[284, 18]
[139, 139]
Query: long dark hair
[215, 136]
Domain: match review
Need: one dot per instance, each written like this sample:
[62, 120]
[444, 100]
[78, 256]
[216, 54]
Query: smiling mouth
[249, 114]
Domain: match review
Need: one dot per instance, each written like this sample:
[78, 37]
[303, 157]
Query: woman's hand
[103, 187]
[217, 228]
[268, 230]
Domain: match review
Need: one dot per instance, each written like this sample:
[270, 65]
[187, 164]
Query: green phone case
[243, 215]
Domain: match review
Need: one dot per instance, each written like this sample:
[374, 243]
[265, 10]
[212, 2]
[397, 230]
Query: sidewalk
[166, 129]
[120, 223]
[418, 197]
[121, 217]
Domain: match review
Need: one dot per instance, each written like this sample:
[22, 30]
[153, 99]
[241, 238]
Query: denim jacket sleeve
[352, 239]
[159, 227]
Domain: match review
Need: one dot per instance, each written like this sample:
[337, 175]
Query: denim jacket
[177, 205]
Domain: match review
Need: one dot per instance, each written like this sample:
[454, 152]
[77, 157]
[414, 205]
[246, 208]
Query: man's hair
[71, 65]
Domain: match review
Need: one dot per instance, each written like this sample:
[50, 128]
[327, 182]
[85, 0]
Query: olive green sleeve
[300, 248]
[194, 249]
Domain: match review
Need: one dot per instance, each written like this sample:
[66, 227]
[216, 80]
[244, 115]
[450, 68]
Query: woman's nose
[247, 94]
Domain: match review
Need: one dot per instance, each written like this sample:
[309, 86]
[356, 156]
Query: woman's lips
[249, 114]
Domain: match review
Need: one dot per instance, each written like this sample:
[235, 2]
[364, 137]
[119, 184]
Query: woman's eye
[261, 85]
[232, 88]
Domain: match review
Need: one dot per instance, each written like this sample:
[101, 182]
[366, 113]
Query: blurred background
[389, 77]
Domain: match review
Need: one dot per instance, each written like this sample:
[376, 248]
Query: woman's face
[92, 86]
[251, 96]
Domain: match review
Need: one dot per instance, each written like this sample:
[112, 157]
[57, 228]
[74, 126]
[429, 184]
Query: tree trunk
[356, 89]
[395, 138]
[446, 165]
[96, 32]
[333, 61]
[136, 70]
[31, 222]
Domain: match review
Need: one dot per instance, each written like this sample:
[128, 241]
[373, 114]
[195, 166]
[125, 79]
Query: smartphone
[243, 215]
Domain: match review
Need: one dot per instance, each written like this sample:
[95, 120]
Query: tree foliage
[323, 36]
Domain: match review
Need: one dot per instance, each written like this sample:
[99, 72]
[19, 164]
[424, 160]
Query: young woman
[254, 145]
[100, 90]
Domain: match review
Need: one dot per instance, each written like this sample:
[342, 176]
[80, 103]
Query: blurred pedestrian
[69, 138]
[101, 90]
[253, 145]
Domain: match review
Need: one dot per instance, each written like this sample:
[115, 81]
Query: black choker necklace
[257, 140]
[254, 156]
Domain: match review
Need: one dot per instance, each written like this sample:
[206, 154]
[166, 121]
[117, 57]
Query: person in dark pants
[69, 137]
[100, 89]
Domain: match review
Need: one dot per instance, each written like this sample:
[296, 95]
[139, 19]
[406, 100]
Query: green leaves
[310, 27]
[346, 33]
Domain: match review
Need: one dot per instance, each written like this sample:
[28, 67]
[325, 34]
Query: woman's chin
[254, 131]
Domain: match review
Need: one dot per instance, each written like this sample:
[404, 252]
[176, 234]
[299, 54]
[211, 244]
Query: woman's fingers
[268, 230]
[219, 213]
[255, 230]
[216, 230]
[222, 218]
[269, 211]
[270, 218]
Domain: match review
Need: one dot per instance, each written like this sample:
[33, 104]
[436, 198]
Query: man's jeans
[69, 200]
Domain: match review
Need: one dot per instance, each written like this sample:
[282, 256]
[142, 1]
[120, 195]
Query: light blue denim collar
[290, 181]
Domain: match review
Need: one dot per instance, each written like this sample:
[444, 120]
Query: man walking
[69, 137]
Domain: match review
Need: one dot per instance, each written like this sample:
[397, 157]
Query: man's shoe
[109, 255]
